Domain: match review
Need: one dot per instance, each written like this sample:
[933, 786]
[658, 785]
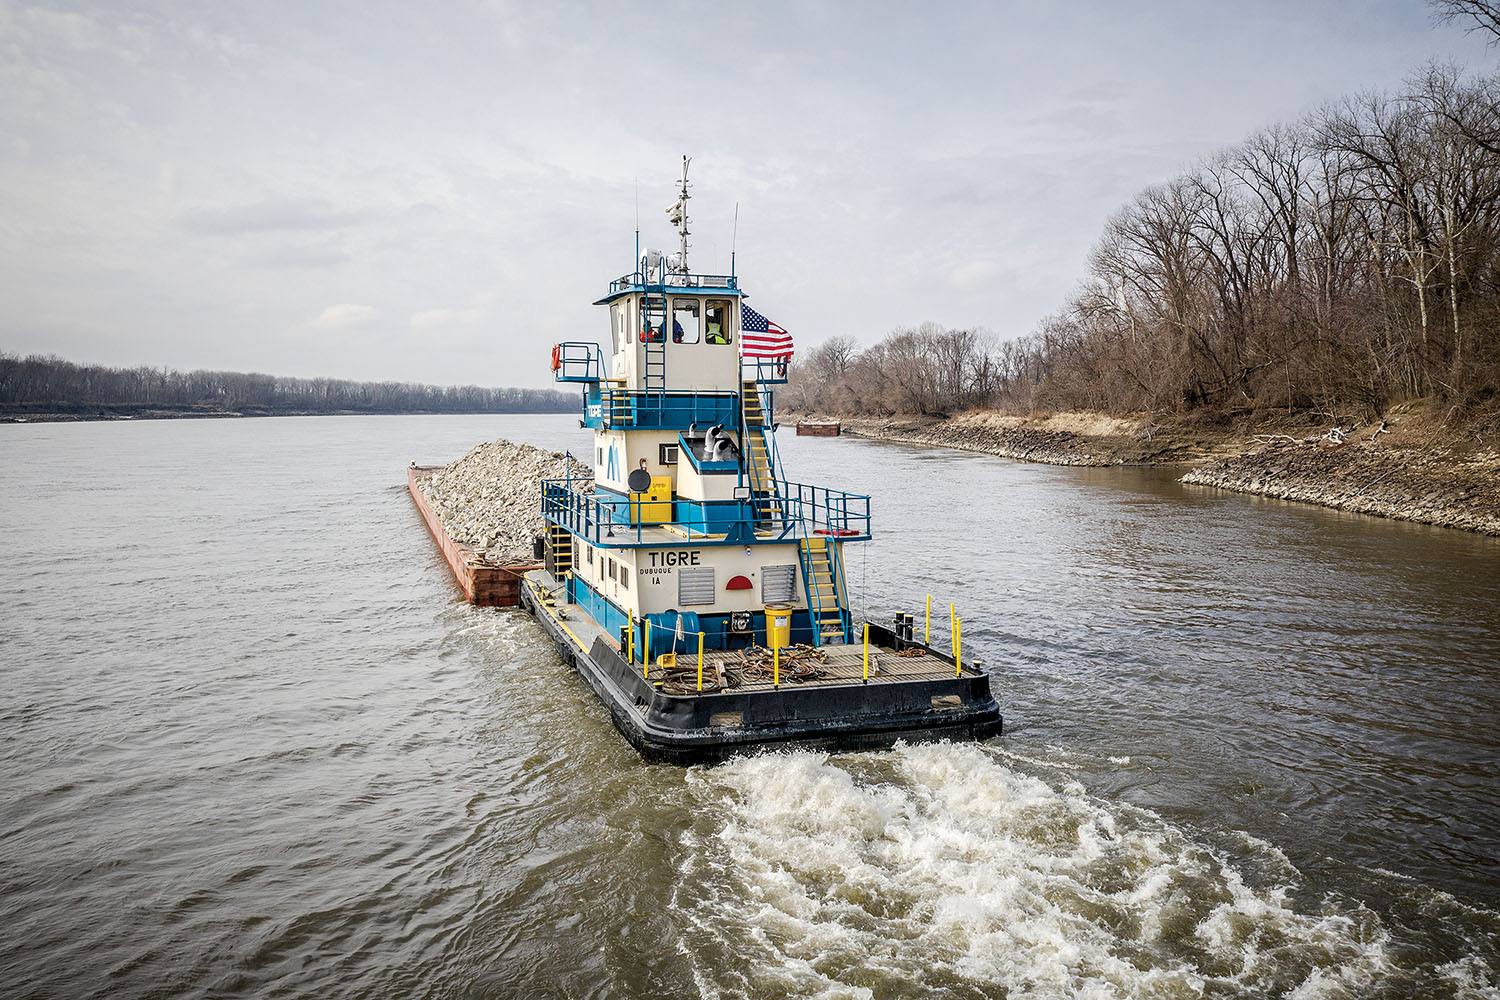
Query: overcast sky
[383, 190]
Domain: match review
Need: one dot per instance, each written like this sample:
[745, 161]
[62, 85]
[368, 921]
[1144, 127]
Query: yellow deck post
[700, 661]
[867, 652]
[958, 647]
[928, 640]
[776, 666]
[646, 653]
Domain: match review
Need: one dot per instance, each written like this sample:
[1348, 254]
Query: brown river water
[254, 746]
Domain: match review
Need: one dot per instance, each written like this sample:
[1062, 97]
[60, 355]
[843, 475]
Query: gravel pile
[490, 500]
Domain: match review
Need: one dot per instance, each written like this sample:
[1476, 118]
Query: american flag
[760, 338]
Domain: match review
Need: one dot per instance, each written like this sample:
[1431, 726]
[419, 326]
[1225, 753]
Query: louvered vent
[777, 584]
[695, 585]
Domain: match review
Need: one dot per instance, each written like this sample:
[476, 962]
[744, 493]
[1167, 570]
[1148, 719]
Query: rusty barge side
[482, 583]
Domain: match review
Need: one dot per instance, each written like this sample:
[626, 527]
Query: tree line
[1351, 258]
[38, 383]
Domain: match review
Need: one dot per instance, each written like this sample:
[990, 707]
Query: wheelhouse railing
[639, 280]
[605, 519]
[577, 361]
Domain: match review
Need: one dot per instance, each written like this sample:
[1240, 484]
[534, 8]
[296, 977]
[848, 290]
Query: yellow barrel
[778, 625]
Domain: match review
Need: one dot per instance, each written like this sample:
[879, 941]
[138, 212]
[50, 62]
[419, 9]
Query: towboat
[697, 589]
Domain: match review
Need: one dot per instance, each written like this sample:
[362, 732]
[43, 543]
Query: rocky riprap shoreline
[1413, 467]
[1063, 439]
[490, 500]
[1436, 487]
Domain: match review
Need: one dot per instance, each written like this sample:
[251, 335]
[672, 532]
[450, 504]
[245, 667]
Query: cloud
[344, 316]
[430, 319]
[268, 216]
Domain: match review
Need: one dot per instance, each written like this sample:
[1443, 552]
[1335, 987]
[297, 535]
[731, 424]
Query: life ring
[556, 356]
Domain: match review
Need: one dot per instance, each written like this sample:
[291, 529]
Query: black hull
[710, 728]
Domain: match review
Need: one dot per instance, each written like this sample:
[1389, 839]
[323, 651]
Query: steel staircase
[616, 400]
[826, 602]
[760, 467]
[561, 541]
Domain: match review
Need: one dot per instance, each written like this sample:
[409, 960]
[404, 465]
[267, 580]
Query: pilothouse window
[654, 321]
[616, 326]
[716, 320]
[685, 328]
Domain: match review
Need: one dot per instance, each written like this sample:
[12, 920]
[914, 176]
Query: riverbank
[1413, 465]
[1094, 439]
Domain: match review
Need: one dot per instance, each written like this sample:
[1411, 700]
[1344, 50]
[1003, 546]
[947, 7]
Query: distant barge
[818, 428]
[699, 591]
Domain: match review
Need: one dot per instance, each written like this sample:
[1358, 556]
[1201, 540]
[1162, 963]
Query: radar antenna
[677, 212]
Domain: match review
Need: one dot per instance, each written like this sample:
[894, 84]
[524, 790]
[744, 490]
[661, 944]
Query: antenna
[734, 237]
[638, 223]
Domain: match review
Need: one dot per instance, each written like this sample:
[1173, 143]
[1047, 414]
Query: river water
[255, 746]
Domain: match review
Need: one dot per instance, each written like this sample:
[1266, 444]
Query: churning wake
[941, 871]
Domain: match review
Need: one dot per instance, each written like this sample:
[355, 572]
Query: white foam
[823, 876]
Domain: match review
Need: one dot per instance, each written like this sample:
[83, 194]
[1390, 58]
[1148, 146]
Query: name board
[671, 558]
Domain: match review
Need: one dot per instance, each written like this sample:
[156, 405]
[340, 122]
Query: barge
[483, 582]
[697, 589]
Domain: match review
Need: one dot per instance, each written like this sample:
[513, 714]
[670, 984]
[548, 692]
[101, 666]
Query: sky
[438, 192]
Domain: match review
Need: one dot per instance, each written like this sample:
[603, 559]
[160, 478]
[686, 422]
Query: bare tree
[1473, 15]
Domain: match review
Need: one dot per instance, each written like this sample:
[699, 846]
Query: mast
[677, 212]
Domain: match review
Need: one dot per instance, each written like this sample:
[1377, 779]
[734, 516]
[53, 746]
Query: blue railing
[636, 279]
[577, 361]
[836, 512]
[765, 369]
[614, 407]
[606, 519]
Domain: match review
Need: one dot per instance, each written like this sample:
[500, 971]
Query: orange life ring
[556, 356]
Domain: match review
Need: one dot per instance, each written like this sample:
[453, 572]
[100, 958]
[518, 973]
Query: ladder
[760, 468]
[560, 540]
[825, 591]
[656, 366]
